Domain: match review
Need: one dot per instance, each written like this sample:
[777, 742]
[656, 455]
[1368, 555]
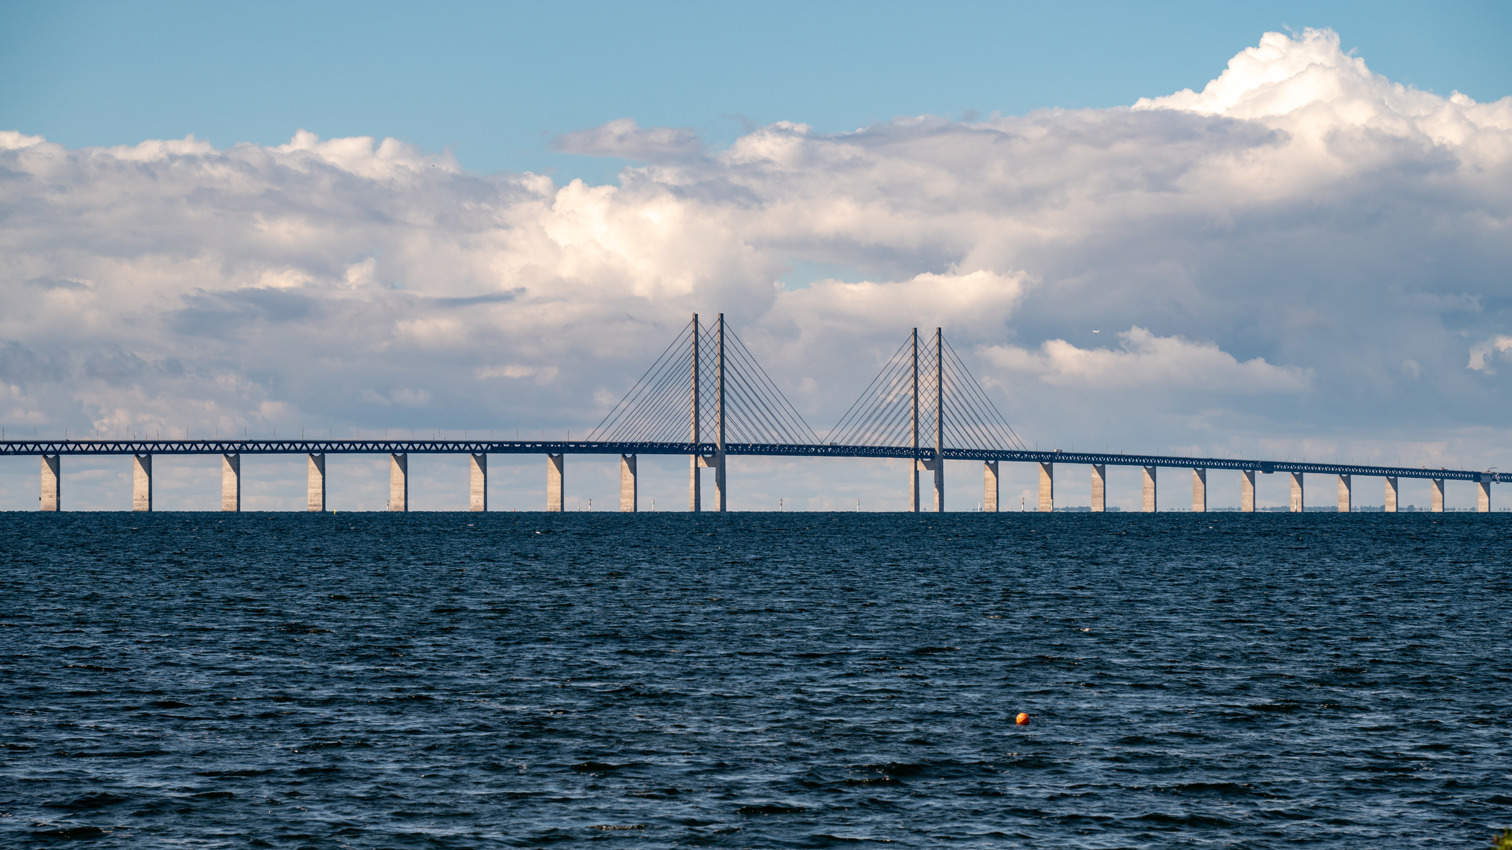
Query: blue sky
[495, 82]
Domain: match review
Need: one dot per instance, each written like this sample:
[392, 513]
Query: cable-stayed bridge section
[707, 397]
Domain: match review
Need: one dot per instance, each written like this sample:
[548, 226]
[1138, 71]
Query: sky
[1272, 230]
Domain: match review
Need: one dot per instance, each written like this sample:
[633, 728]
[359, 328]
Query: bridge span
[142, 451]
[923, 394]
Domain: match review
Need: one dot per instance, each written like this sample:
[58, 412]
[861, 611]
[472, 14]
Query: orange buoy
[1022, 719]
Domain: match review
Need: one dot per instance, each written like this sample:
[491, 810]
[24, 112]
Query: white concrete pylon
[990, 487]
[1438, 496]
[1391, 494]
[1199, 491]
[1099, 487]
[555, 489]
[1298, 494]
[1149, 502]
[315, 488]
[1346, 496]
[1483, 495]
[398, 482]
[231, 482]
[629, 493]
[1247, 491]
[477, 482]
[141, 482]
[695, 485]
[52, 484]
[1047, 487]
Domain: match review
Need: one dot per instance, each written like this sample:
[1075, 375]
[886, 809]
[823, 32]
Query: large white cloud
[1144, 361]
[1301, 225]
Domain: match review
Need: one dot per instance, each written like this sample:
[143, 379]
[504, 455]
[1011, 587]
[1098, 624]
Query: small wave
[770, 809]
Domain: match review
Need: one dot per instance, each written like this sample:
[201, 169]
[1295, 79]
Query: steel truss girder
[254, 447]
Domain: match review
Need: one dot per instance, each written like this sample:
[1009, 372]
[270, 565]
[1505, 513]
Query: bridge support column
[939, 484]
[990, 487]
[1099, 487]
[1438, 496]
[231, 483]
[1199, 491]
[1047, 487]
[1483, 496]
[1298, 500]
[1391, 494]
[141, 482]
[477, 483]
[1148, 502]
[555, 472]
[1247, 491]
[315, 485]
[52, 483]
[720, 490]
[914, 466]
[399, 482]
[629, 497]
[1346, 487]
[695, 487]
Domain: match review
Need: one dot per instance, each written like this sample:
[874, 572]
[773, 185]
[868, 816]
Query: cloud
[1483, 352]
[1301, 241]
[1146, 361]
[623, 138]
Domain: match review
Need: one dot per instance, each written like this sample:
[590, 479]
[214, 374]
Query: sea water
[755, 680]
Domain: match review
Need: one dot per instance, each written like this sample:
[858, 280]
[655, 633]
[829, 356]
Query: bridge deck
[237, 447]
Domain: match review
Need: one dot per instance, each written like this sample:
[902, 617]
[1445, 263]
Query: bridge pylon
[668, 405]
[926, 401]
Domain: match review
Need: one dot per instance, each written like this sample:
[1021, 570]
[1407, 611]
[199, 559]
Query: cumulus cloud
[622, 137]
[1483, 352]
[1287, 240]
[1146, 361]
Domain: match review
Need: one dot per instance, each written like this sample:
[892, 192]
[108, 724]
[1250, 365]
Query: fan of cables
[659, 408]
[911, 388]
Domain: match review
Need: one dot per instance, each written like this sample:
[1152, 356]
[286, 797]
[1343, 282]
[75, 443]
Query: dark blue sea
[755, 680]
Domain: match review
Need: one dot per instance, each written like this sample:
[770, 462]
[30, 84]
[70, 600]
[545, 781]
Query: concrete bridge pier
[1391, 494]
[1199, 491]
[629, 495]
[141, 482]
[695, 486]
[1099, 488]
[990, 487]
[715, 462]
[937, 467]
[399, 482]
[1247, 491]
[231, 482]
[555, 472]
[1483, 496]
[315, 484]
[914, 468]
[477, 482]
[1298, 499]
[1148, 502]
[1047, 487]
[52, 483]
[1346, 486]
[1438, 496]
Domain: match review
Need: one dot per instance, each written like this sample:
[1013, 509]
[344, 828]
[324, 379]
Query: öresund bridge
[707, 398]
